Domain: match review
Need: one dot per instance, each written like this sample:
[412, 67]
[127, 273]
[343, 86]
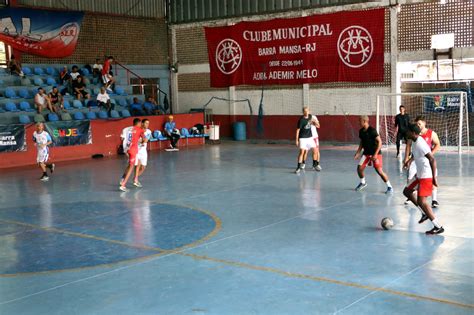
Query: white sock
[434, 195]
[436, 223]
[362, 180]
[388, 184]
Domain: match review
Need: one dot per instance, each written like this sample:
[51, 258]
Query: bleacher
[17, 96]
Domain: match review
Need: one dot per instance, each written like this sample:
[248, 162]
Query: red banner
[337, 47]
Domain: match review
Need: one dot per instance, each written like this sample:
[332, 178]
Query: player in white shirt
[142, 156]
[314, 133]
[425, 177]
[126, 137]
[42, 139]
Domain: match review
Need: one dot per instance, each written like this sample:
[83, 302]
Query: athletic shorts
[307, 143]
[366, 161]
[424, 186]
[132, 157]
[42, 156]
[106, 78]
[316, 141]
[142, 158]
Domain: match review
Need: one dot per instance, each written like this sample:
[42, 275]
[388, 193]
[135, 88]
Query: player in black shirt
[402, 121]
[372, 144]
[304, 137]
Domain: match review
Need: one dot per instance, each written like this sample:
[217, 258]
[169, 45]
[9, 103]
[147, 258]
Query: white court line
[170, 254]
[392, 282]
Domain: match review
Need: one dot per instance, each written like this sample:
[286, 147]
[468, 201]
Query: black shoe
[44, 178]
[435, 231]
[434, 204]
[424, 217]
[51, 168]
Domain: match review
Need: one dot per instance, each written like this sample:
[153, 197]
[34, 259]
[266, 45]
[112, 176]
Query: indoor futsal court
[236, 157]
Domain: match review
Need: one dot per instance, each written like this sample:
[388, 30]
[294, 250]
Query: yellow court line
[236, 264]
[81, 235]
[323, 279]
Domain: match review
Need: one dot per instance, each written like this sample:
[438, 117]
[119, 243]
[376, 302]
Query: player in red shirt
[107, 79]
[136, 133]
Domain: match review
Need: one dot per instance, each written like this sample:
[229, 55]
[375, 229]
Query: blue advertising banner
[65, 133]
[446, 103]
[44, 33]
[12, 138]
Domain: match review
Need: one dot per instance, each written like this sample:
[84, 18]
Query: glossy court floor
[229, 229]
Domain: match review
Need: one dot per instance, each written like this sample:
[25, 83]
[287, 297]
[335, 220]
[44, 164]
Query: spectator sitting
[150, 107]
[42, 101]
[56, 99]
[15, 67]
[80, 89]
[137, 108]
[103, 99]
[64, 75]
[97, 69]
[74, 73]
[172, 132]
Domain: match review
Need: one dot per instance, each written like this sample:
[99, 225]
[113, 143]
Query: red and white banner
[336, 47]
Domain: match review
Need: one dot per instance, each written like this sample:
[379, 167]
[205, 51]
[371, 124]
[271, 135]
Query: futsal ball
[387, 223]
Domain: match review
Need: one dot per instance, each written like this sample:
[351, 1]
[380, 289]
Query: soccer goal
[447, 113]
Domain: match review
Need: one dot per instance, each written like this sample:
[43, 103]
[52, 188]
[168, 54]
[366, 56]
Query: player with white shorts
[142, 156]
[43, 139]
[304, 138]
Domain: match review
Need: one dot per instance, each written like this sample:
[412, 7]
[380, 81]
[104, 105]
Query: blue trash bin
[240, 133]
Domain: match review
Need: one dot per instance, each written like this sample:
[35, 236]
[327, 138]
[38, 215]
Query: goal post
[447, 113]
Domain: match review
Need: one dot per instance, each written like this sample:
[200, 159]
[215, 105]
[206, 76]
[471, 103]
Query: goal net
[447, 113]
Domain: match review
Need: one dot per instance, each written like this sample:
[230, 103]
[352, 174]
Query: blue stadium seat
[91, 115]
[53, 117]
[50, 81]
[113, 101]
[11, 107]
[67, 105]
[77, 104]
[26, 107]
[66, 116]
[103, 115]
[24, 119]
[125, 113]
[50, 71]
[2, 82]
[185, 133]
[39, 118]
[79, 116]
[26, 70]
[85, 72]
[39, 71]
[122, 102]
[10, 93]
[114, 114]
[23, 93]
[96, 91]
[120, 91]
[158, 135]
[90, 103]
[37, 81]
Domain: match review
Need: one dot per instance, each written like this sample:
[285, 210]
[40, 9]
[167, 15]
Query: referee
[402, 121]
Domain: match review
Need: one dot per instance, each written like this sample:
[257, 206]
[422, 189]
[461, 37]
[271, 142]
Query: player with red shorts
[372, 144]
[136, 133]
[425, 177]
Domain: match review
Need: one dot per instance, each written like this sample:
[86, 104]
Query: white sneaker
[137, 184]
[317, 168]
[123, 188]
[303, 166]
